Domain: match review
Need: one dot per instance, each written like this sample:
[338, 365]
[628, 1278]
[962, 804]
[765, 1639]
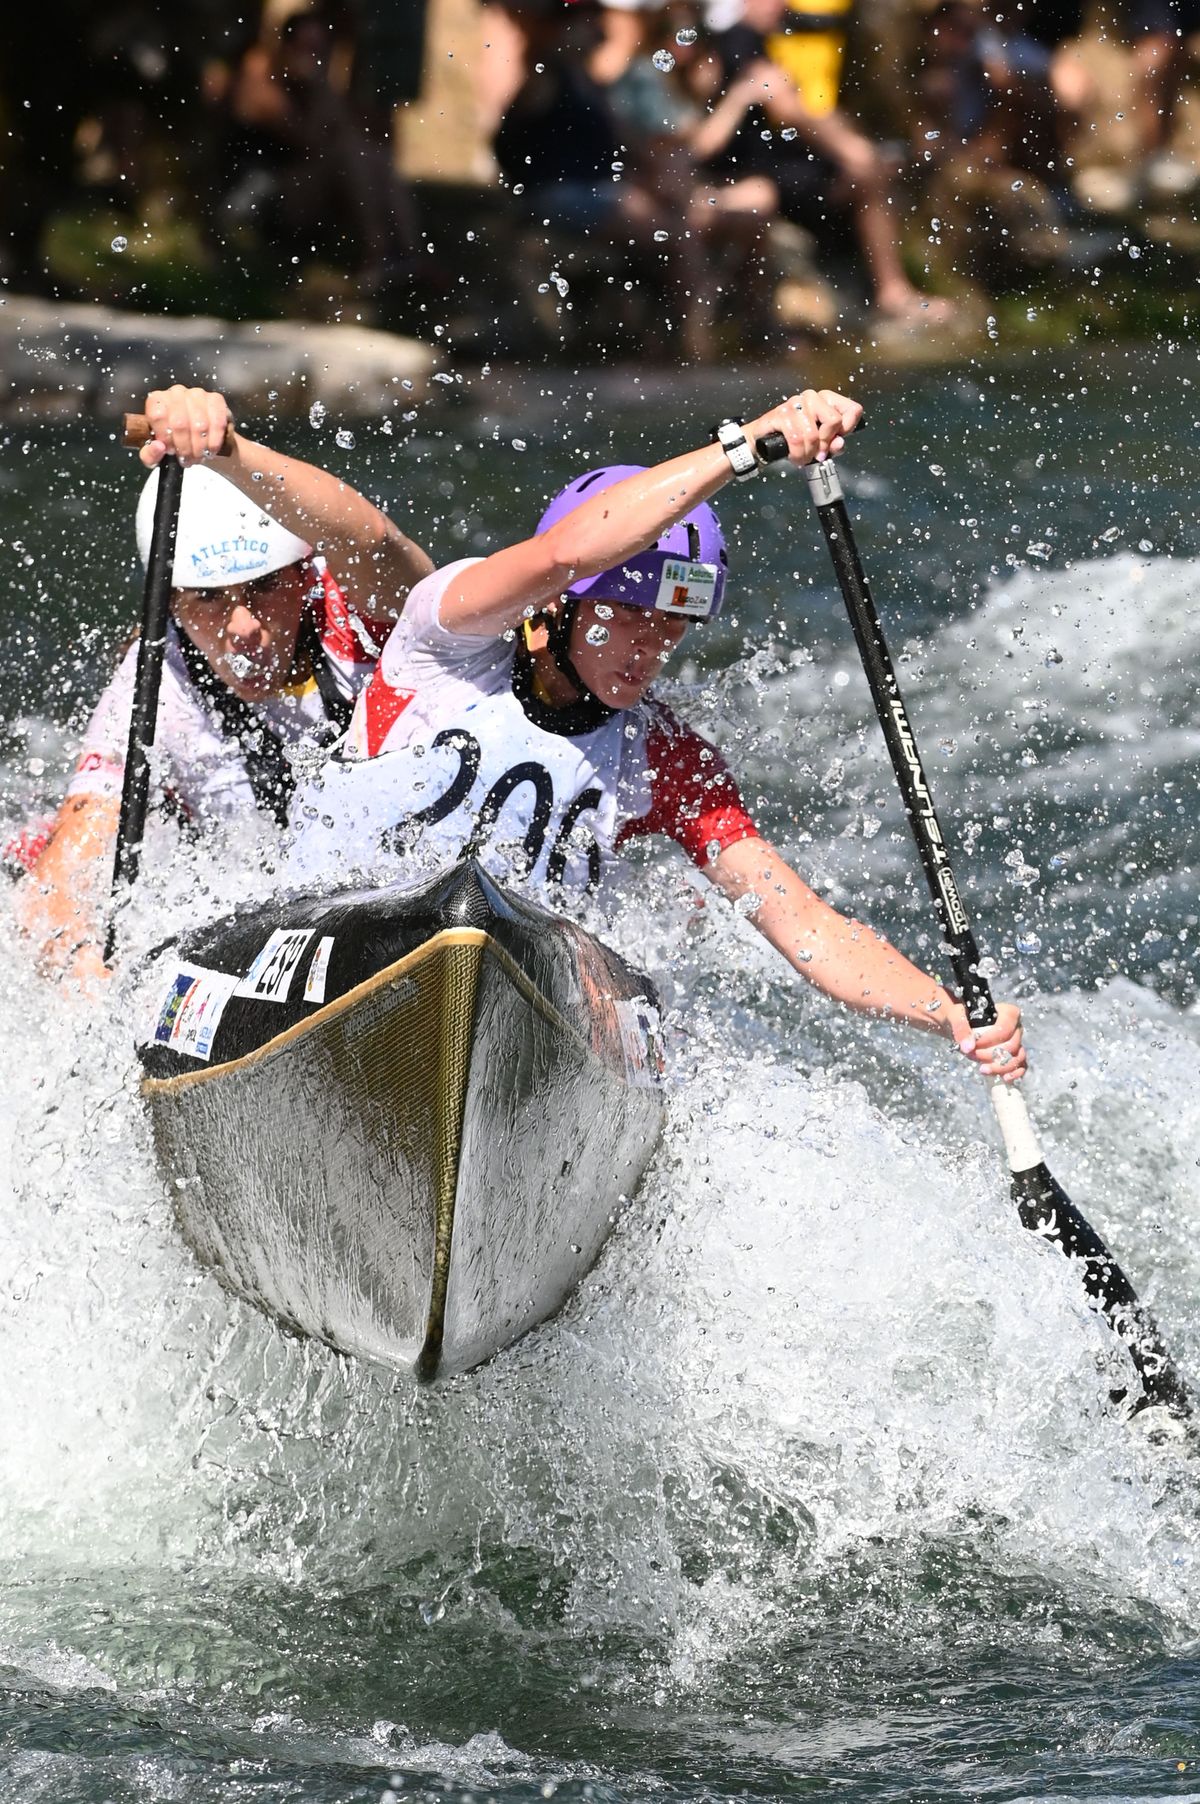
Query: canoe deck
[422, 1168]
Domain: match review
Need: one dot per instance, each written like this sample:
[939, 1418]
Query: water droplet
[788, 133]
[432, 1612]
[1017, 186]
[1038, 549]
[602, 610]
[597, 635]
[316, 414]
[936, 470]
[442, 376]
[518, 444]
[36, 767]
[120, 243]
[1110, 535]
[686, 35]
[987, 967]
[1031, 313]
[1135, 251]
[1145, 545]
[932, 137]
[1028, 943]
[1053, 656]
[344, 437]
[661, 237]
[663, 61]
[993, 331]
[948, 746]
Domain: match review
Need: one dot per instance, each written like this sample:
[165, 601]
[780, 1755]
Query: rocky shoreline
[63, 359]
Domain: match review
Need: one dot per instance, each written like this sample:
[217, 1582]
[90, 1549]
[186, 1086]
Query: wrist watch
[738, 450]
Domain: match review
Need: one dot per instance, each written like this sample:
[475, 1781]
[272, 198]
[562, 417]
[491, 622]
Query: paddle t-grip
[138, 432]
[772, 447]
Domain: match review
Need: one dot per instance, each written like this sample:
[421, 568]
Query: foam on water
[818, 1346]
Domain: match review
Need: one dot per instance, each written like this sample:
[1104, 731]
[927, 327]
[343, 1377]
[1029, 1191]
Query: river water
[815, 1487]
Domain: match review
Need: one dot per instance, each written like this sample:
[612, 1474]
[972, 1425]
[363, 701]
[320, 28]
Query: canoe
[402, 1121]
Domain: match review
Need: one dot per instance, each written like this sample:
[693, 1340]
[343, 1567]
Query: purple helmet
[682, 573]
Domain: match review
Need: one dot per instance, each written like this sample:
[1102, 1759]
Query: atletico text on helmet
[682, 573]
[223, 537]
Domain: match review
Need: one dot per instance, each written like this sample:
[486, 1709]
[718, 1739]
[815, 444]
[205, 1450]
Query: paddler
[511, 715]
[268, 646]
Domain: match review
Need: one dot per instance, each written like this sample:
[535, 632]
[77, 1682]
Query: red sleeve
[694, 799]
[340, 633]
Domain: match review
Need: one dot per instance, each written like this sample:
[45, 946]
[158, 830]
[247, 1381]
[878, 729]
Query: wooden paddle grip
[138, 432]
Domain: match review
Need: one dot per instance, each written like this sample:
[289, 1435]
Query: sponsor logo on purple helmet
[683, 573]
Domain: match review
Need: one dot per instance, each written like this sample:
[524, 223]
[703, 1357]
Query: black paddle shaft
[902, 747]
[156, 608]
[1042, 1204]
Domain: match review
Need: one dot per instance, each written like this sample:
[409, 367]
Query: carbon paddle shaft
[156, 607]
[1042, 1204]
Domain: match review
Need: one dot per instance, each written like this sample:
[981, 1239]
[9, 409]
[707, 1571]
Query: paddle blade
[1046, 1209]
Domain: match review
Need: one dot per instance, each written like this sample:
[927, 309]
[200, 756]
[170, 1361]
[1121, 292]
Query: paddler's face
[619, 650]
[248, 631]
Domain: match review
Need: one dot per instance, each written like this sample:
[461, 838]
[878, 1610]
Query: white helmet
[223, 537]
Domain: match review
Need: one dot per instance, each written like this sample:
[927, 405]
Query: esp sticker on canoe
[270, 976]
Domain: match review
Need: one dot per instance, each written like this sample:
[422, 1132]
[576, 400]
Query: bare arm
[854, 964]
[61, 903]
[492, 596]
[372, 559]
[709, 136]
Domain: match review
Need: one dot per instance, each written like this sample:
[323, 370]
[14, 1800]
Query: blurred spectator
[561, 147]
[307, 176]
[810, 48]
[1160, 30]
[825, 172]
[987, 123]
[669, 134]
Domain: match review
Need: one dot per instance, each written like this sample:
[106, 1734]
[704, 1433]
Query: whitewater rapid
[818, 1342]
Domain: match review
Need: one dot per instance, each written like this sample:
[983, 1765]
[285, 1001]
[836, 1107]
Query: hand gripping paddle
[1042, 1204]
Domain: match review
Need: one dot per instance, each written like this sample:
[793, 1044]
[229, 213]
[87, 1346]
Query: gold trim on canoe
[448, 937]
[466, 946]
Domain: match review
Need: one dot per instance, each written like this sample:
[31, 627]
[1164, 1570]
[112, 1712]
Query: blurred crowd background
[564, 178]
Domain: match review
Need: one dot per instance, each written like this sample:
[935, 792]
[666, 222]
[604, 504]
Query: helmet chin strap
[584, 714]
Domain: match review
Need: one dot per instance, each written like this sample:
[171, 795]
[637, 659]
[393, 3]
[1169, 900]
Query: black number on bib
[498, 794]
[469, 754]
[556, 864]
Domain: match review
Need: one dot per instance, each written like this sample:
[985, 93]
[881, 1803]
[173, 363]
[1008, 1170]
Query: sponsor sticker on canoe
[190, 1008]
[686, 588]
[314, 983]
[270, 976]
[642, 1042]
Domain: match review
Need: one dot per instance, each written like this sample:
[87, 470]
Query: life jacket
[269, 770]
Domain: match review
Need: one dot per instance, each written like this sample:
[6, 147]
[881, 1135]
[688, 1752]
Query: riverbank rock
[66, 358]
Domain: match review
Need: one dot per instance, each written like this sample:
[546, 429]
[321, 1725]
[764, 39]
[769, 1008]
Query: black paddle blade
[1046, 1209]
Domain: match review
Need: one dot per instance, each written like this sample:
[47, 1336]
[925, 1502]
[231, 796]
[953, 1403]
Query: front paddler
[512, 716]
[268, 646]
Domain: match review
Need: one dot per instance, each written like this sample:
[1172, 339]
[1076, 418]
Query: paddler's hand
[815, 424]
[998, 1050]
[191, 422]
[88, 970]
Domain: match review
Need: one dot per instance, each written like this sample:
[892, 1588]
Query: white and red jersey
[441, 758]
[200, 766]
